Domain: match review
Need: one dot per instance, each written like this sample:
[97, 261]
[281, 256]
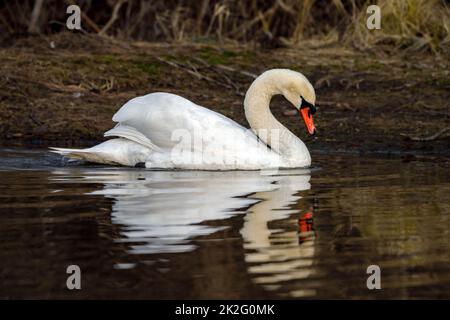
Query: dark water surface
[296, 233]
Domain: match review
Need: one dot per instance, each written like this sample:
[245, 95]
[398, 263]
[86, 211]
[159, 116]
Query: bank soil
[62, 90]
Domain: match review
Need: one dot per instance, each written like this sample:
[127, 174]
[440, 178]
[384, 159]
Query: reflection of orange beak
[306, 228]
[306, 222]
[307, 117]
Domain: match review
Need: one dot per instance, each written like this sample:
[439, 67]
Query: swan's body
[167, 131]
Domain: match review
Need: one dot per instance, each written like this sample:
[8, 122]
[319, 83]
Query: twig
[243, 28]
[113, 18]
[326, 79]
[180, 66]
[33, 27]
[245, 73]
[194, 71]
[429, 138]
[222, 74]
[226, 68]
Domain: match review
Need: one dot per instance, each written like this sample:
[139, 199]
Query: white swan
[166, 131]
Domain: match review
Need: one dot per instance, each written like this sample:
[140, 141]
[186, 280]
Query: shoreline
[54, 93]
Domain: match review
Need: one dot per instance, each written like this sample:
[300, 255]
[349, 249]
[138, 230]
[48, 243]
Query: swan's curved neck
[266, 126]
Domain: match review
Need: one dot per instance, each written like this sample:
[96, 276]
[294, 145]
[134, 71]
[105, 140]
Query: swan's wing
[161, 117]
[130, 133]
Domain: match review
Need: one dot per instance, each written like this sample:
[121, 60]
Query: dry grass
[406, 24]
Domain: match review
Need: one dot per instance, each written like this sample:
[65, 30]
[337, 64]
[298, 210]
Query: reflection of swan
[274, 254]
[150, 128]
[162, 211]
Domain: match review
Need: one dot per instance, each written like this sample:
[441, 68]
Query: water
[292, 234]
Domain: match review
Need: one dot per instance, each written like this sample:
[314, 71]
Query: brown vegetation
[412, 24]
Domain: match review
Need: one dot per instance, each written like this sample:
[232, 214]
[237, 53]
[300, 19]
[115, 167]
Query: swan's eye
[306, 104]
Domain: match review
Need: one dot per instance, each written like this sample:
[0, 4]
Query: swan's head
[298, 90]
[292, 85]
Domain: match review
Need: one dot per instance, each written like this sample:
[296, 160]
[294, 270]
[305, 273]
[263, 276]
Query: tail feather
[73, 153]
[117, 151]
[83, 154]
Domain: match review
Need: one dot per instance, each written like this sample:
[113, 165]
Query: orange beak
[307, 117]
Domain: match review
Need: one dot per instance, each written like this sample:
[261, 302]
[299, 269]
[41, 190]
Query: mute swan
[166, 131]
